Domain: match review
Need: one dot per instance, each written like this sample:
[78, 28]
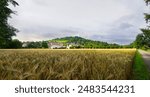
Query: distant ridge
[86, 43]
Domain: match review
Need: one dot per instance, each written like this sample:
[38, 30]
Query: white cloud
[47, 19]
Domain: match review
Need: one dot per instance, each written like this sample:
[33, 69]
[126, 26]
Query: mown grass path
[146, 58]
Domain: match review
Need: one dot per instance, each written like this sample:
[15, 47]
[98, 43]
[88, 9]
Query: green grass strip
[140, 71]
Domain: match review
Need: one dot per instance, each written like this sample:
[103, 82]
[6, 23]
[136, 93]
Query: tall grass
[66, 64]
[140, 71]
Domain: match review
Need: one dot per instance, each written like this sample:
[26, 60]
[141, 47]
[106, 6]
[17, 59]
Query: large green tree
[143, 39]
[6, 30]
[147, 15]
[146, 31]
[139, 41]
[15, 44]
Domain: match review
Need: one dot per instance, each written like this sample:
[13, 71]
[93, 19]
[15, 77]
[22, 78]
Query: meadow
[82, 64]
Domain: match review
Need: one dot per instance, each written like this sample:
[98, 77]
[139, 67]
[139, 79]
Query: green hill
[84, 43]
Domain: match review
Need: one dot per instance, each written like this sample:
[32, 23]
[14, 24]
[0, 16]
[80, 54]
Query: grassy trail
[140, 70]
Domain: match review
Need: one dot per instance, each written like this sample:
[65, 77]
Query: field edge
[140, 71]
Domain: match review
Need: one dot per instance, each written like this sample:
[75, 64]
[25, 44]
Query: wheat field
[86, 64]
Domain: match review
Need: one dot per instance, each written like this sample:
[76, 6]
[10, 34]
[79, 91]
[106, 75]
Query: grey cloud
[105, 20]
[42, 32]
[125, 26]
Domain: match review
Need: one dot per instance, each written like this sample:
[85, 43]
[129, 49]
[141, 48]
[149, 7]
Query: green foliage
[34, 45]
[37, 44]
[146, 34]
[145, 47]
[147, 2]
[139, 41]
[44, 44]
[6, 31]
[16, 44]
[147, 17]
[143, 39]
[140, 71]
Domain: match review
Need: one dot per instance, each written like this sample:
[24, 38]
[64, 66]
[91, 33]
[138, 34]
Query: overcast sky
[113, 21]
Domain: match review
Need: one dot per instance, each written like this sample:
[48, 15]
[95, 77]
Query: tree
[146, 35]
[16, 44]
[139, 41]
[147, 2]
[6, 31]
[143, 39]
[44, 44]
[146, 31]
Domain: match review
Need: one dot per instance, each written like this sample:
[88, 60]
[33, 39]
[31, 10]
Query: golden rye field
[41, 64]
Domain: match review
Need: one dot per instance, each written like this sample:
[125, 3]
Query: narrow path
[146, 57]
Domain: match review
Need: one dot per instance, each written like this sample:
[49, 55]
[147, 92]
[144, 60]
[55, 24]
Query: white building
[55, 45]
[25, 44]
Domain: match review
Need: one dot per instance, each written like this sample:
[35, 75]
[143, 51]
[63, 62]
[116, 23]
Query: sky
[112, 21]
